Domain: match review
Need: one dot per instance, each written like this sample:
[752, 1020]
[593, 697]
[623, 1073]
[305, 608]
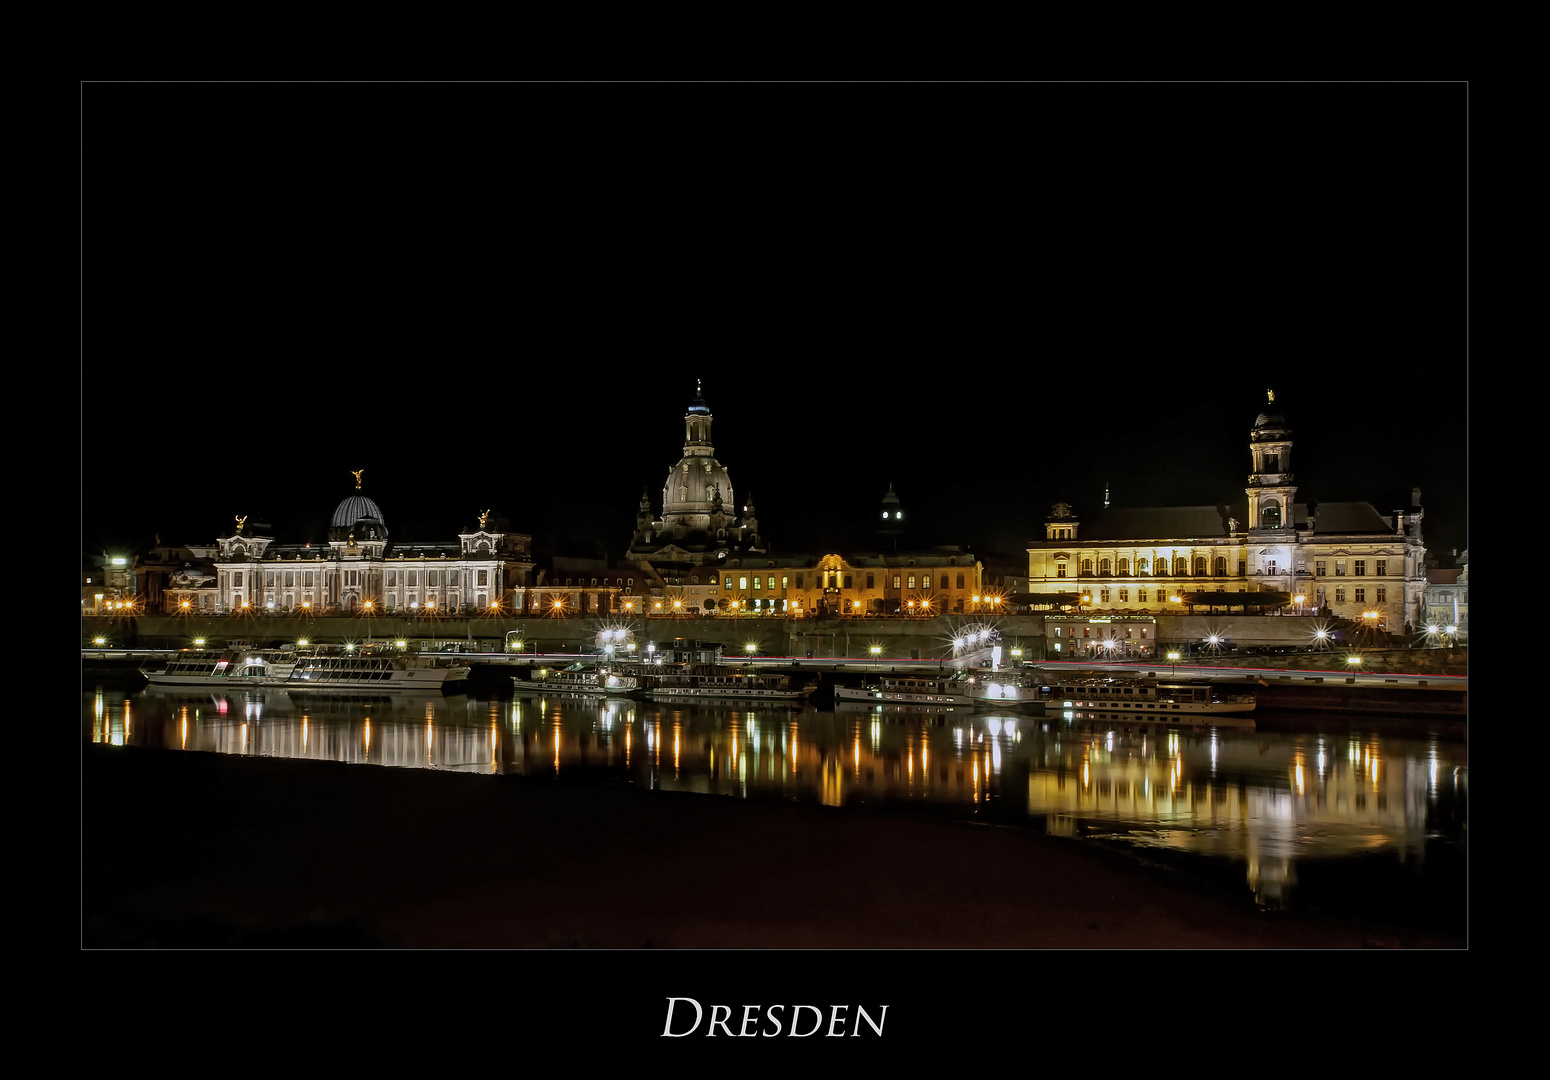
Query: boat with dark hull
[713, 681]
[577, 679]
[1143, 697]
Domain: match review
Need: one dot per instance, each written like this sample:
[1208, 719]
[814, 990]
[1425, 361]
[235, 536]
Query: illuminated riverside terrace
[1362, 823]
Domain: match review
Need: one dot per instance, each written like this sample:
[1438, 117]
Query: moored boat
[909, 690]
[306, 672]
[576, 679]
[720, 681]
[1141, 696]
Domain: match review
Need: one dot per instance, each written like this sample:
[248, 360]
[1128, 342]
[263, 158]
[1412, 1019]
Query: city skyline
[992, 298]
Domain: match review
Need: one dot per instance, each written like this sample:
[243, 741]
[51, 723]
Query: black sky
[993, 296]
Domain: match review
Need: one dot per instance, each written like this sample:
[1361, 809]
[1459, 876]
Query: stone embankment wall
[899, 638]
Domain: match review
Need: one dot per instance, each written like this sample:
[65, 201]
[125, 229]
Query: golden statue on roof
[241, 521]
[1272, 394]
[483, 518]
[357, 474]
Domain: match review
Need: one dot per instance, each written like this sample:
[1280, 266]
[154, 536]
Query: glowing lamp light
[99, 641]
[876, 649]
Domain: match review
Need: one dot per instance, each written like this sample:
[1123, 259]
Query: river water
[1358, 818]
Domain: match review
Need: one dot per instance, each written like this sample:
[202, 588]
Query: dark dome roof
[355, 509]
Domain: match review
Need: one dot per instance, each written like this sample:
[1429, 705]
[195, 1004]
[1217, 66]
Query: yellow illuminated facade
[1338, 559]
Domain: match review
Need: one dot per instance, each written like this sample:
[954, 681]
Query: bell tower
[1272, 491]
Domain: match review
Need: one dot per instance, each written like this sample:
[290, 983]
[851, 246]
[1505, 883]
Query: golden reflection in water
[303, 733]
[675, 749]
[244, 737]
[556, 748]
[976, 788]
[368, 735]
[627, 746]
[494, 745]
[183, 730]
[126, 720]
[1297, 777]
[856, 751]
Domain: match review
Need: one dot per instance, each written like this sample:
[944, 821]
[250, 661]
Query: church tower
[891, 527]
[1271, 491]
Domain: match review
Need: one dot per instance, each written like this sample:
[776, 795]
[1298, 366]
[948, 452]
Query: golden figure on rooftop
[483, 518]
[241, 521]
[357, 474]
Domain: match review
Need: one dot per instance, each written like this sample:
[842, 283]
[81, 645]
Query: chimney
[1415, 496]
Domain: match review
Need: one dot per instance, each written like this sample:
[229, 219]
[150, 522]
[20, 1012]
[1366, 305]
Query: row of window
[1320, 567]
[1218, 567]
[353, 577]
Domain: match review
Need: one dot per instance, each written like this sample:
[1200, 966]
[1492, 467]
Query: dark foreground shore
[209, 850]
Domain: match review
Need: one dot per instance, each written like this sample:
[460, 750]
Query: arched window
[1181, 566]
[1270, 516]
[1200, 566]
[1219, 567]
[1124, 566]
[1103, 567]
[1087, 566]
[960, 581]
[1140, 566]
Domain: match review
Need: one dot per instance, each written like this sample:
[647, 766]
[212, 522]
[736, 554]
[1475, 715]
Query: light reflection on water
[1260, 802]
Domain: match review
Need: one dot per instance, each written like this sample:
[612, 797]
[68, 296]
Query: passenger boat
[720, 681]
[1143, 696]
[909, 690]
[289, 669]
[576, 679]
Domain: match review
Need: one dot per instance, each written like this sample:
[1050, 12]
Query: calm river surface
[1302, 813]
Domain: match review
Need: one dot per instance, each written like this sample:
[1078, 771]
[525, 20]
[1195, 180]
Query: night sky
[993, 296]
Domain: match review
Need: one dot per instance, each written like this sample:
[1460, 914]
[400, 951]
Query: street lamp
[1173, 658]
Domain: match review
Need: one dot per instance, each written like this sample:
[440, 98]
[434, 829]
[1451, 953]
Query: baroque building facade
[697, 558]
[361, 569]
[1343, 560]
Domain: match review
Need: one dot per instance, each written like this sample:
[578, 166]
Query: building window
[1361, 596]
[960, 581]
[414, 577]
[236, 580]
[1124, 597]
[484, 579]
[784, 583]
[1340, 594]
[912, 581]
[1319, 569]
[431, 577]
[1103, 567]
[1220, 566]
[1140, 596]
[742, 584]
[1383, 568]
[1340, 568]
[896, 581]
[1361, 567]
[1103, 595]
[728, 585]
[1124, 567]
[1060, 570]
[1181, 566]
[1383, 594]
[1087, 566]
[290, 579]
[1200, 566]
[757, 582]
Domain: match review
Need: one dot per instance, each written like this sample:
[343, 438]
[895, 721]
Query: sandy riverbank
[208, 850]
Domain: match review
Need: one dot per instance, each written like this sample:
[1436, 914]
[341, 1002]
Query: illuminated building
[696, 528]
[698, 558]
[360, 569]
[1342, 559]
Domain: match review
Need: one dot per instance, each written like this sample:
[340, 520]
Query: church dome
[357, 509]
[693, 484]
